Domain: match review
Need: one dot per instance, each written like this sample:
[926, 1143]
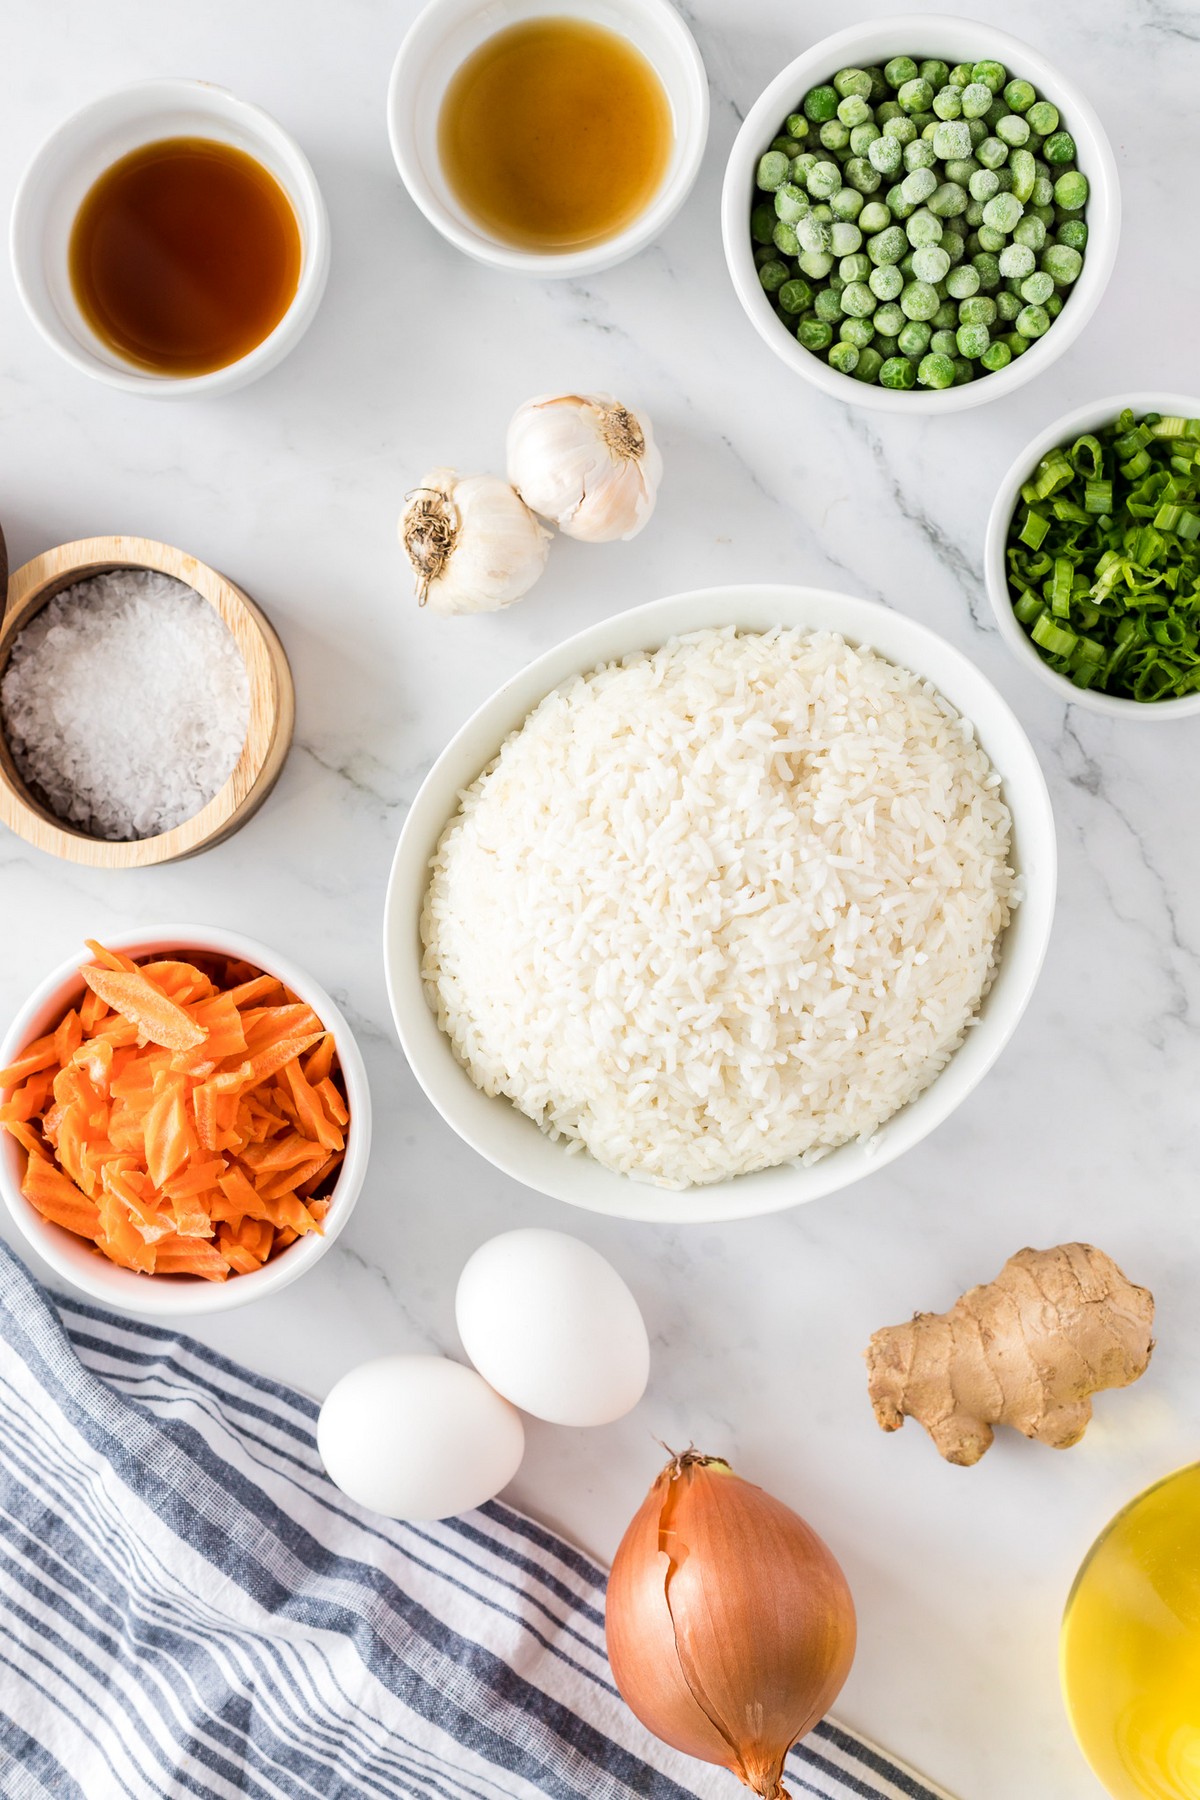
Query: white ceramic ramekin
[1065, 431]
[184, 1296]
[512, 1142]
[954, 40]
[438, 43]
[73, 158]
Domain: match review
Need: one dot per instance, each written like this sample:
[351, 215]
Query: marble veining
[1087, 1125]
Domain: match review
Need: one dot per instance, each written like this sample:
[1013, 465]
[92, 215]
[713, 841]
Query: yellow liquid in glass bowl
[1130, 1652]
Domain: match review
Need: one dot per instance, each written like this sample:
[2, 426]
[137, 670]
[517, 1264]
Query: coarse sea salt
[125, 704]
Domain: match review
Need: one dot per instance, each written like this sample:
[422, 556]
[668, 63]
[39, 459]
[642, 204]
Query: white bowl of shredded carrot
[184, 1121]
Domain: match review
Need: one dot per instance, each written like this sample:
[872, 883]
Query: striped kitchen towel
[189, 1608]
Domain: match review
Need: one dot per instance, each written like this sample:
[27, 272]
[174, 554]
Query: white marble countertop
[1086, 1128]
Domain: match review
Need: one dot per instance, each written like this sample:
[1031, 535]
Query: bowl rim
[189, 1296]
[269, 726]
[640, 627]
[1070, 424]
[747, 146]
[593, 258]
[303, 192]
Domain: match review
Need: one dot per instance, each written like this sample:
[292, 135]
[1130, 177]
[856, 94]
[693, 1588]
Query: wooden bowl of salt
[35, 797]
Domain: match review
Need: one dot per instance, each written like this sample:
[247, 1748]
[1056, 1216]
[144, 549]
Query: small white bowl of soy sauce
[171, 240]
[549, 137]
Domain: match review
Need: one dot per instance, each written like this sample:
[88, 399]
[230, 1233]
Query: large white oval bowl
[512, 1142]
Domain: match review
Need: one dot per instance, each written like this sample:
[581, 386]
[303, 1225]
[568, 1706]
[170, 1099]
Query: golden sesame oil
[555, 134]
[1130, 1653]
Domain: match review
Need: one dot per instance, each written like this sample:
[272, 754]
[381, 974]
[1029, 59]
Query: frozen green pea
[844, 239]
[1045, 214]
[787, 145]
[795, 296]
[1071, 190]
[879, 86]
[860, 175]
[979, 131]
[862, 137]
[886, 346]
[898, 206]
[886, 282]
[762, 222]
[834, 136]
[997, 355]
[922, 228]
[1054, 305]
[869, 364]
[1019, 95]
[973, 217]
[852, 81]
[859, 301]
[815, 263]
[1016, 343]
[914, 339]
[972, 340]
[960, 75]
[1033, 321]
[764, 253]
[888, 319]
[853, 110]
[935, 371]
[898, 372]
[962, 282]
[1072, 232]
[964, 371]
[797, 125]
[960, 169]
[1043, 191]
[919, 155]
[901, 128]
[934, 71]
[953, 243]
[906, 267]
[919, 300]
[886, 110]
[791, 203]
[993, 75]
[843, 357]
[990, 239]
[1012, 130]
[1007, 306]
[1037, 288]
[808, 159]
[854, 267]
[887, 246]
[1043, 118]
[976, 98]
[1062, 263]
[773, 170]
[828, 305]
[988, 269]
[983, 184]
[1002, 212]
[813, 233]
[915, 96]
[992, 153]
[824, 179]
[820, 103]
[979, 309]
[917, 186]
[948, 200]
[874, 217]
[773, 274]
[943, 343]
[814, 334]
[947, 102]
[886, 154]
[1017, 260]
[1023, 170]
[1059, 148]
[856, 331]
[899, 70]
[846, 204]
[785, 239]
[931, 264]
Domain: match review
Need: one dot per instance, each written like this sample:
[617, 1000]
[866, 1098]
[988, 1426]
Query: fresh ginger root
[1028, 1350]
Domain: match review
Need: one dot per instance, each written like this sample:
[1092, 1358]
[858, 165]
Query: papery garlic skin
[473, 543]
[587, 462]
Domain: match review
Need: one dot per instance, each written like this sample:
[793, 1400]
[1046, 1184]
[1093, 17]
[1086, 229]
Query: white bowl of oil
[139, 339]
[630, 68]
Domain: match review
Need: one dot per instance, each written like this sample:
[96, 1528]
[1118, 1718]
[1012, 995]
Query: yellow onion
[730, 1625]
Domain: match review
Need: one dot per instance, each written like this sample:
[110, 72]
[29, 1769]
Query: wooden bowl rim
[33, 586]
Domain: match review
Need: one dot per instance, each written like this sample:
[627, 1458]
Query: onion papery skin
[730, 1625]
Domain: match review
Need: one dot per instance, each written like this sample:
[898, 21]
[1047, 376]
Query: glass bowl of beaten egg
[484, 114]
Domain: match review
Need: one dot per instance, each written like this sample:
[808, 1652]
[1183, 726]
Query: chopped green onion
[1098, 497]
[1034, 529]
[1052, 637]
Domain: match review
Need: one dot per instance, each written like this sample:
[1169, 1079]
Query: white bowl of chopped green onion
[1093, 556]
[980, 204]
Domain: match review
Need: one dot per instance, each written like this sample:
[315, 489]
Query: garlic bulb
[586, 462]
[473, 543]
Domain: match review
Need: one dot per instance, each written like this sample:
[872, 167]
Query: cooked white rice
[721, 906]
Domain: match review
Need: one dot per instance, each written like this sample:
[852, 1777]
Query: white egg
[418, 1437]
[552, 1326]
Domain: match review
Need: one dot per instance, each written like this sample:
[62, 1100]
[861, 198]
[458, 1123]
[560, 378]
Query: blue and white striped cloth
[189, 1608]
